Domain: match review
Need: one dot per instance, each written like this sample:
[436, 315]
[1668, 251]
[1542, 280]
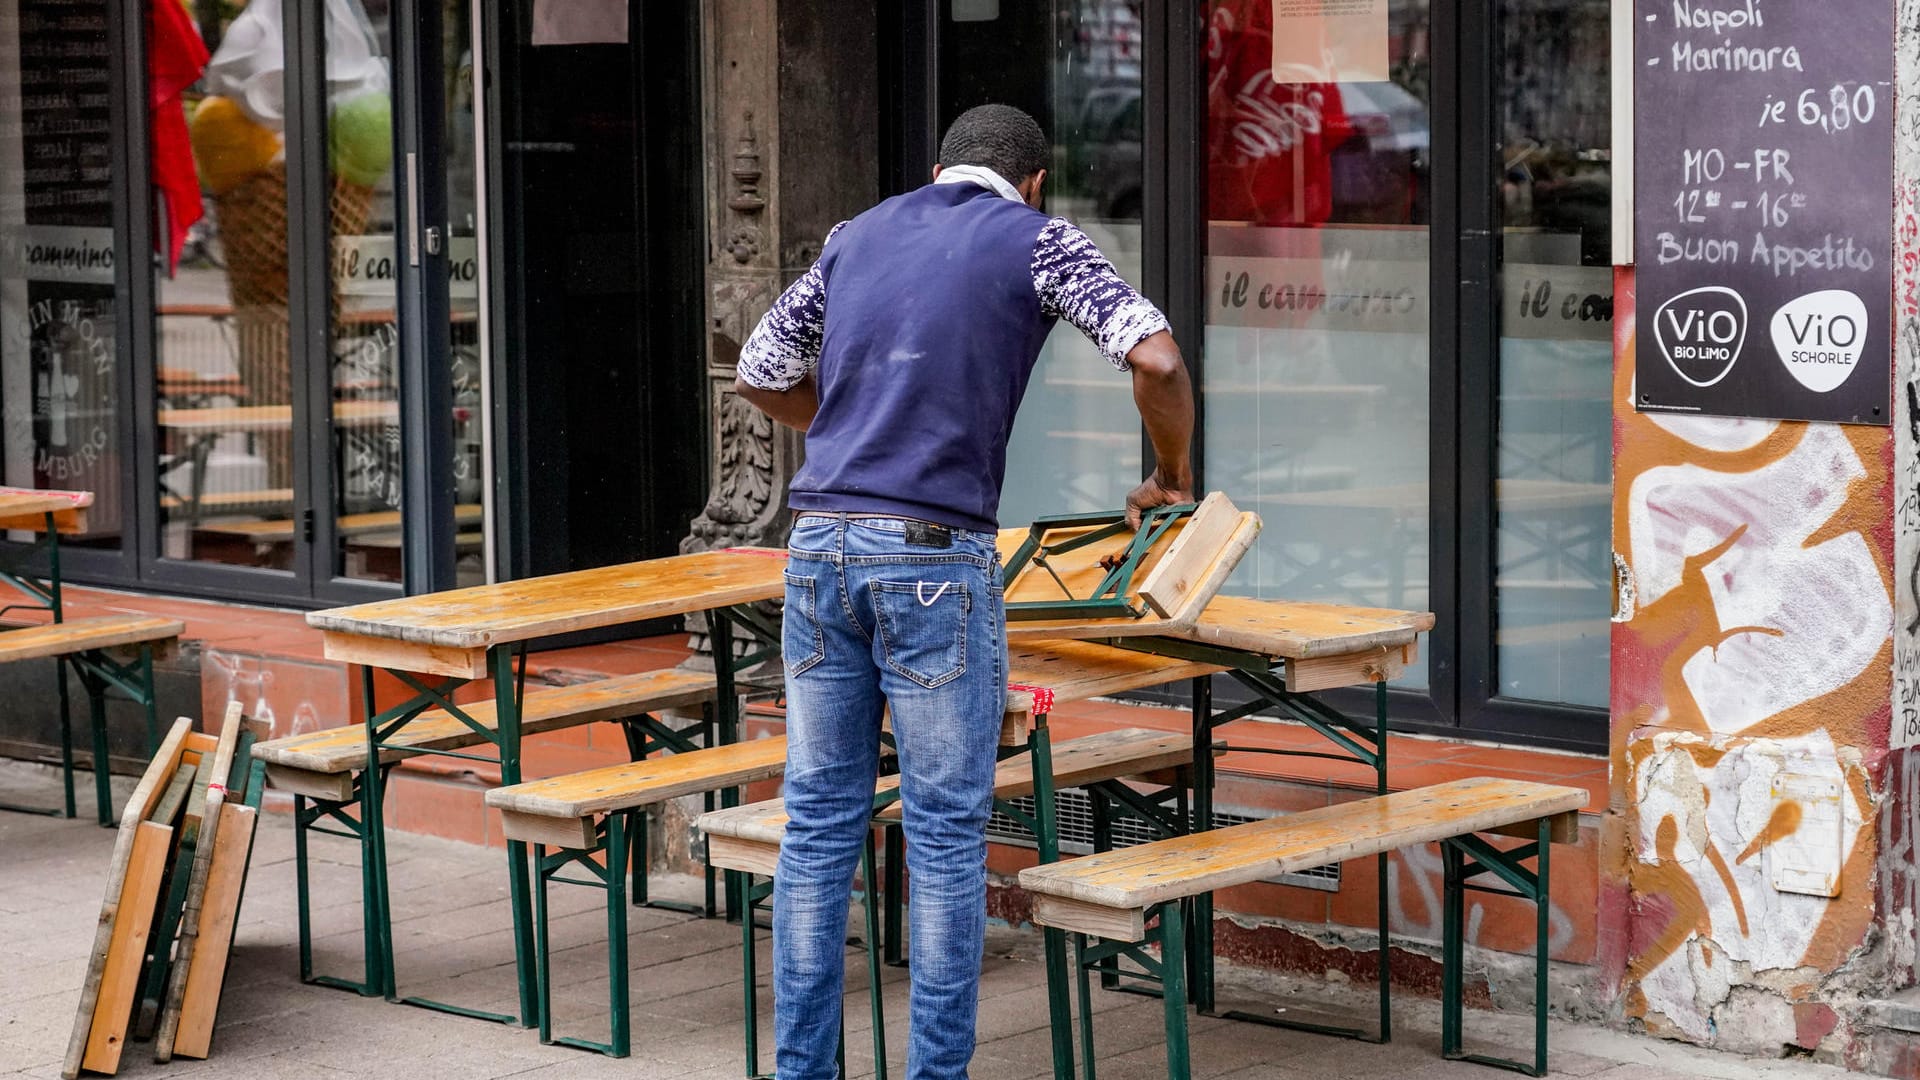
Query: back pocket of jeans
[923, 627]
[802, 642]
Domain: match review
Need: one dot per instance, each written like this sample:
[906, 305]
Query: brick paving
[452, 943]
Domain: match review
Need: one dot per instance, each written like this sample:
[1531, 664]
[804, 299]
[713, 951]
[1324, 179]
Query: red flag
[175, 58]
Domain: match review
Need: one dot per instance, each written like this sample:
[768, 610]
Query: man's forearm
[1163, 391]
[793, 406]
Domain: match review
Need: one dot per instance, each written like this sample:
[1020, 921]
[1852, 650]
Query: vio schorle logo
[1701, 331]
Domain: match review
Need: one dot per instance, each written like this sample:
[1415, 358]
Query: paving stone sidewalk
[452, 941]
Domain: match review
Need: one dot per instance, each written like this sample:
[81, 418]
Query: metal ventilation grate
[1075, 811]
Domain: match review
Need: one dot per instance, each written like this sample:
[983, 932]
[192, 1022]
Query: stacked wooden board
[173, 893]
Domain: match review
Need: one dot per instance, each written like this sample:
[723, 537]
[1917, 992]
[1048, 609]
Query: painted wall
[1752, 701]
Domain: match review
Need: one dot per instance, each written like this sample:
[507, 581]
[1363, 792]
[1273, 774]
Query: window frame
[1462, 699]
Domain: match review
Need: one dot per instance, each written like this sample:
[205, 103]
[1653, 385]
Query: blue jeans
[872, 623]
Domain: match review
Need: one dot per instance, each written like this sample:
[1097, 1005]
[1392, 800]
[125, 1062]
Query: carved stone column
[792, 135]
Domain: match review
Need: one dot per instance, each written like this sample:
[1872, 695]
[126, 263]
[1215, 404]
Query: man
[903, 354]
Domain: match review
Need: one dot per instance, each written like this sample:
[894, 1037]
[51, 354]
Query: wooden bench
[1113, 896]
[107, 652]
[745, 841]
[588, 818]
[330, 767]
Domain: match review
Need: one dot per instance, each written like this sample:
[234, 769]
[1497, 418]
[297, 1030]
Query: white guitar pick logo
[1820, 336]
[1701, 332]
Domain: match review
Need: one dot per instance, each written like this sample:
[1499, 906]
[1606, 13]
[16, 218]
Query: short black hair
[998, 137]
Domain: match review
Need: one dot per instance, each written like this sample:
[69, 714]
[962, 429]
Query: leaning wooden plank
[208, 969]
[175, 796]
[120, 976]
[1180, 570]
[216, 797]
[153, 983]
[141, 804]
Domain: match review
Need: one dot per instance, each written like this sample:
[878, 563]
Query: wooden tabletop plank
[1079, 670]
[643, 783]
[487, 615]
[1138, 877]
[94, 632]
[1304, 631]
[27, 508]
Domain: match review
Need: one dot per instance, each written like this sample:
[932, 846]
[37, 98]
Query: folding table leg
[102, 763]
[1085, 997]
[66, 733]
[1053, 941]
[543, 995]
[876, 1004]
[1173, 971]
[618, 994]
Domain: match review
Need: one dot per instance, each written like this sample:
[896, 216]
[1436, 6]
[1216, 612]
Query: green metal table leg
[544, 973]
[619, 997]
[876, 1003]
[1542, 904]
[1085, 995]
[1381, 866]
[507, 717]
[895, 891]
[1452, 922]
[303, 904]
[726, 707]
[147, 700]
[102, 763]
[1054, 941]
[1201, 960]
[1173, 970]
[377, 944]
[66, 733]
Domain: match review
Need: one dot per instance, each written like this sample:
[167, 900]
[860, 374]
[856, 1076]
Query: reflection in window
[59, 340]
[1316, 376]
[1074, 65]
[1552, 576]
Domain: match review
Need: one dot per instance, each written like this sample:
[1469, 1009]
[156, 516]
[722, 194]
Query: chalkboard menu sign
[1763, 150]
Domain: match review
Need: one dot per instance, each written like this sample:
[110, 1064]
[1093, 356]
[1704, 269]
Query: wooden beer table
[435, 643]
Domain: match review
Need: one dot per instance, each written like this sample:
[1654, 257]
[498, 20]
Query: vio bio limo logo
[1701, 331]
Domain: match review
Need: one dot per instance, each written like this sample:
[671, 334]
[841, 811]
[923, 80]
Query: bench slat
[1076, 762]
[1139, 877]
[344, 749]
[644, 783]
[79, 635]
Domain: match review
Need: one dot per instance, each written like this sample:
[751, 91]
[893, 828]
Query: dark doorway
[602, 258]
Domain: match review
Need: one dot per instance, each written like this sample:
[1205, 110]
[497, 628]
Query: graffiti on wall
[1752, 691]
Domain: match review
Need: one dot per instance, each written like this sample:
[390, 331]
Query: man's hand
[1157, 490]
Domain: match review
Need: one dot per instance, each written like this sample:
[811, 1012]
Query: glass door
[294, 321]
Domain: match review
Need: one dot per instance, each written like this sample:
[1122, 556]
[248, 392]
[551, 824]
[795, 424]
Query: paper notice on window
[1329, 41]
[580, 22]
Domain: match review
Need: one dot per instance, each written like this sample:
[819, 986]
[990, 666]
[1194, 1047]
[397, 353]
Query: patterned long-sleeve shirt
[1073, 280]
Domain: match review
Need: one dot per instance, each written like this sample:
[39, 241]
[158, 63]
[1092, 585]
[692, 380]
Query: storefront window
[1078, 437]
[1552, 567]
[1316, 378]
[60, 345]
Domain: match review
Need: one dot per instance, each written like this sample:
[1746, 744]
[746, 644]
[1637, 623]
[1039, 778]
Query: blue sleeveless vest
[932, 330]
